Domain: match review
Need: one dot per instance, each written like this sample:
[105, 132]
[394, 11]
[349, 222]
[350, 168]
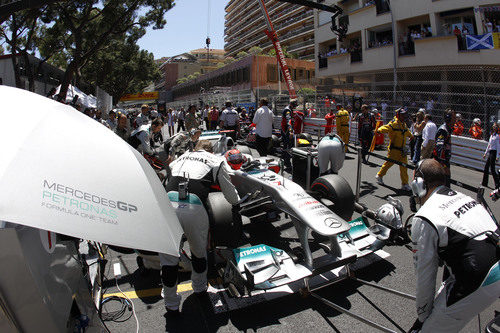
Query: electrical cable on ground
[133, 308]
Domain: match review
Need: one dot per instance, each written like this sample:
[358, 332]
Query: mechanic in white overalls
[204, 169]
[455, 228]
[331, 154]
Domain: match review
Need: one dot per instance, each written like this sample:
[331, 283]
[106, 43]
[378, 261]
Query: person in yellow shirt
[398, 132]
[342, 122]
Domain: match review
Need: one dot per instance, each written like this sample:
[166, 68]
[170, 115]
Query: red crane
[279, 52]
[341, 31]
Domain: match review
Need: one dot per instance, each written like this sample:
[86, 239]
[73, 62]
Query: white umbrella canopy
[64, 172]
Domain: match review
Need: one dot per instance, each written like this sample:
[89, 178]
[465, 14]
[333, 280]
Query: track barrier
[466, 152]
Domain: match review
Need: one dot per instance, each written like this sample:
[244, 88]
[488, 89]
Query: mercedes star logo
[332, 223]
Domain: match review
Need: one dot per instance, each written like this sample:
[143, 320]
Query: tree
[241, 54]
[22, 31]
[255, 50]
[191, 77]
[91, 25]
[220, 64]
[307, 93]
[196, 74]
[1, 50]
[272, 53]
[120, 68]
[182, 80]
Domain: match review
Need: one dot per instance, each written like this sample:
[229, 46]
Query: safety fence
[466, 152]
[217, 97]
[472, 91]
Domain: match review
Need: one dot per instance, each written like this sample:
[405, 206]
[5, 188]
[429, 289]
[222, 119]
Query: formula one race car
[246, 264]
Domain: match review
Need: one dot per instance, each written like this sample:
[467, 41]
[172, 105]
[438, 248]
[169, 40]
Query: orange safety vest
[476, 132]
[458, 128]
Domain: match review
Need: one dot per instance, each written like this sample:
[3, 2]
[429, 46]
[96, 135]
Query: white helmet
[389, 215]
[477, 121]
[459, 116]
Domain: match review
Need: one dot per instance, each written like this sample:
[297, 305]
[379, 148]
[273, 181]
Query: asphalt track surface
[294, 313]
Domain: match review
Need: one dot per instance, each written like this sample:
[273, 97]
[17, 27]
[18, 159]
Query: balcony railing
[294, 20]
[296, 32]
[247, 11]
[296, 46]
[259, 36]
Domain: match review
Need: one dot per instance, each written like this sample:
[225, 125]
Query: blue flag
[480, 42]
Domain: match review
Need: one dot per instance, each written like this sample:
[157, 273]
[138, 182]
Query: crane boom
[279, 51]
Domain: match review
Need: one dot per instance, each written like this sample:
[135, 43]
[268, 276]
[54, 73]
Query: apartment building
[413, 54]
[252, 73]
[426, 33]
[200, 61]
[245, 24]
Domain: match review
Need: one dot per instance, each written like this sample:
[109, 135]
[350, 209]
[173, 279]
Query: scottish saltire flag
[479, 42]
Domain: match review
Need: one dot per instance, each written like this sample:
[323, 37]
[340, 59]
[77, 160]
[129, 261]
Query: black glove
[417, 326]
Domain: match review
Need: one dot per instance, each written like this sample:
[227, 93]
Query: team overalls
[342, 122]
[398, 132]
[458, 230]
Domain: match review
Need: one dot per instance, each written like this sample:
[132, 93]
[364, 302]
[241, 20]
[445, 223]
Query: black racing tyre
[305, 136]
[337, 190]
[225, 221]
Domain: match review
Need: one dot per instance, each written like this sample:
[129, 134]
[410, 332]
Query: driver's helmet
[235, 159]
[303, 143]
[389, 215]
[476, 121]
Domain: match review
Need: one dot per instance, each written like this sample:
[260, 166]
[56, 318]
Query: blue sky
[186, 28]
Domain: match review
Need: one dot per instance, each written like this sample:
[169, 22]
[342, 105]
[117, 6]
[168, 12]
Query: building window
[381, 37]
[272, 74]
[300, 74]
[246, 74]
[382, 6]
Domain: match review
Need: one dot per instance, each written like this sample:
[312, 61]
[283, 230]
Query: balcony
[276, 16]
[260, 35]
[382, 58]
[248, 11]
[296, 33]
[244, 10]
[449, 54]
[296, 47]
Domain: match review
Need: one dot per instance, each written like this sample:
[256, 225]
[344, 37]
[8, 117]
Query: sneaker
[379, 180]
[406, 187]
